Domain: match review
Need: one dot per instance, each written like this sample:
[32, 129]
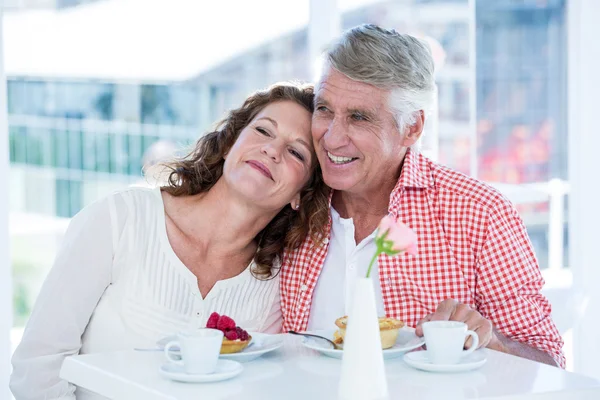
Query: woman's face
[272, 159]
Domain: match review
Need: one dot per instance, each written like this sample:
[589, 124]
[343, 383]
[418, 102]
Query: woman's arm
[71, 291]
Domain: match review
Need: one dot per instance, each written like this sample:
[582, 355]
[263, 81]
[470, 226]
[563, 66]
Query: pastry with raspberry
[235, 339]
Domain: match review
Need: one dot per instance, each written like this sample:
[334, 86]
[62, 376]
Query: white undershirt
[345, 261]
[117, 284]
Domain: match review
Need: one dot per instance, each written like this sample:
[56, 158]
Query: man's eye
[263, 131]
[297, 154]
[358, 117]
[321, 108]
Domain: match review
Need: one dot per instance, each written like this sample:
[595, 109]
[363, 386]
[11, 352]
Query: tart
[234, 346]
[388, 330]
[235, 339]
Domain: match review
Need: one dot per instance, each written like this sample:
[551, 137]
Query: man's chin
[339, 184]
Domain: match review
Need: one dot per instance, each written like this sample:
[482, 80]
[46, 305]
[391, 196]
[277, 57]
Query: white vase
[363, 370]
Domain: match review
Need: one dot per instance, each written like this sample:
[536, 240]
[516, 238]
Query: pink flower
[393, 237]
[402, 237]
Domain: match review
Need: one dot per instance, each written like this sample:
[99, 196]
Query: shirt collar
[416, 173]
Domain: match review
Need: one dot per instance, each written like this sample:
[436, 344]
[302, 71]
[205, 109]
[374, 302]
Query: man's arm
[452, 310]
[510, 314]
[509, 284]
[501, 343]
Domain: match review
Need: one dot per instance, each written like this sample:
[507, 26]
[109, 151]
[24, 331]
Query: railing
[553, 192]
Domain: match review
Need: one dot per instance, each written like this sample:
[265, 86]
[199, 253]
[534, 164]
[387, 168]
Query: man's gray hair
[391, 61]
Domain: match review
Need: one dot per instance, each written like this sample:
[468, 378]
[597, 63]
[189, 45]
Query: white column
[323, 27]
[473, 89]
[584, 144]
[5, 270]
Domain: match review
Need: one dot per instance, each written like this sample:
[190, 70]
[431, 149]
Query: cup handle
[474, 345]
[168, 354]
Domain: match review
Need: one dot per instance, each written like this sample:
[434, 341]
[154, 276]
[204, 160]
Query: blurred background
[97, 90]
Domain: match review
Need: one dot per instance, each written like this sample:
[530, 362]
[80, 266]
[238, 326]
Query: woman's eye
[297, 154]
[263, 131]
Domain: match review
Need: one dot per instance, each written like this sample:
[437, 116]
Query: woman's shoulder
[124, 206]
[137, 192]
[135, 198]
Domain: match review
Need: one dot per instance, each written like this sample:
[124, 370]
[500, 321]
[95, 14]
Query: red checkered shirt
[473, 247]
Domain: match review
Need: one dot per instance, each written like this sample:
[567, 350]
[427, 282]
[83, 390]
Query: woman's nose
[272, 150]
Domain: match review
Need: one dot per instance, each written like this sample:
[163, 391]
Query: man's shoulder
[450, 182]
[305, 256]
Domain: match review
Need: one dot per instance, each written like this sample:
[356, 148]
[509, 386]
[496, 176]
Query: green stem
[373, 261]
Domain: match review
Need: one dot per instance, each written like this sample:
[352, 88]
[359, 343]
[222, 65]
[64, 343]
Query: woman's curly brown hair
[201, 169]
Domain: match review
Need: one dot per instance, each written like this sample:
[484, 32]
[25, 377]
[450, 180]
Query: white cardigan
[117, 284]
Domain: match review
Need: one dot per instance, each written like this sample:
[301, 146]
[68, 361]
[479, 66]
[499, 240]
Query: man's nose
[337, 134]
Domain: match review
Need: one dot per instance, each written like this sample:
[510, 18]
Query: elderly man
[475, 262]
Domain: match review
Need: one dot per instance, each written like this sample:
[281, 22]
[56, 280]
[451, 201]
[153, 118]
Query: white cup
[199, 350]
[445, 341]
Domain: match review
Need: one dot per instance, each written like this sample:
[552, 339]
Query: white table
[294, 372]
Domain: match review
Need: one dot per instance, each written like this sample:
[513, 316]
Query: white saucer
[260, 344]
[225, 369]
[420, 360]
[407, 340]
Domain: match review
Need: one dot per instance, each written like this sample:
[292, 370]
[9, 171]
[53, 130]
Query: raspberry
[231, 334]
[212, 321]
[239, 331]
[225, 323]
[244, 335]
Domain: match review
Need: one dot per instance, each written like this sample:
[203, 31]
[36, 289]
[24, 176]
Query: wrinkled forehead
[338, 90]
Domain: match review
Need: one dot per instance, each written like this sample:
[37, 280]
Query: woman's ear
[295, 203]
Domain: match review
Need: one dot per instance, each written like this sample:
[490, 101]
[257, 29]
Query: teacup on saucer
[199, 350]
[445, 341]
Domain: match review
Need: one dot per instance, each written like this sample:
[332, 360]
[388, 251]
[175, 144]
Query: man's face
[358, 144]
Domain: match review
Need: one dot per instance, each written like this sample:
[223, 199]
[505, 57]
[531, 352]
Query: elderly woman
[145, 263]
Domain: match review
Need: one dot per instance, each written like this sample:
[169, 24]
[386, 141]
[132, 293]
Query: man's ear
[413, 132]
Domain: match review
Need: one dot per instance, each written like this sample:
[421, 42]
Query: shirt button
[303, 288]
[326, 241]
[351, 266]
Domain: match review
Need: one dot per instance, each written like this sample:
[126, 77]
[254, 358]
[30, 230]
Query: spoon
[335, 346]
